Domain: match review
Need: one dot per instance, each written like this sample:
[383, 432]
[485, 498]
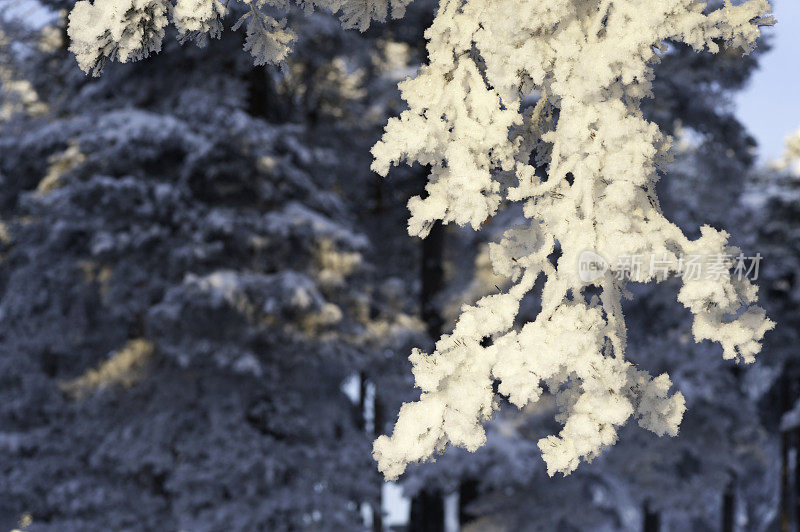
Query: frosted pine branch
[198, 19]
[115, 29]
[591, 63]
[129, 30]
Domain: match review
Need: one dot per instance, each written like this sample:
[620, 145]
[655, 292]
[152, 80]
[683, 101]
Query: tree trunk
[785, 517]
[467, 493]
[432, 273]
[652, 519]
[377, 509]
[728, 507]
[427, 507]
[427, 512]
[362, 401]
[794, 437]
[372, 431]
[263, 100]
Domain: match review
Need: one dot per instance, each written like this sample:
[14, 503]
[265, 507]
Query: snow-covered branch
[129, 30]
[590, 63]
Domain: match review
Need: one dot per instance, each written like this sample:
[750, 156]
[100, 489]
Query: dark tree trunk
[729, 496]
[467, 493]
[792, 438]
[362, 401]
[372, 432]
[377, 509]
[795, 439]
[652, 519]
[427, 512]
[728, 507]
[785, 515]
[263, 100]
[427, 507]
[432, 273]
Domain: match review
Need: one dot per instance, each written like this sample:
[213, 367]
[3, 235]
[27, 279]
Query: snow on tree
[773, 200]
[682, 480]
[175, 267]
[133, 29]
[789, 161]
[591, 63]
[722, 450]
[122, 256]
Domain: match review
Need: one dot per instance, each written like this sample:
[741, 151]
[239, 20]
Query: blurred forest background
[207, 302]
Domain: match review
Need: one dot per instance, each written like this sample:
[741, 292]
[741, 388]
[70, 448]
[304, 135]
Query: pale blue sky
[770, 105]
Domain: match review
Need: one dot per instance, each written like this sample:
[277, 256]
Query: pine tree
[184, 293]
[772, 196]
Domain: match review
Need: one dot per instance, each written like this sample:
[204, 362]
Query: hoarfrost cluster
[582, 160]
[128, 30]
[590, 65]
[790, 159]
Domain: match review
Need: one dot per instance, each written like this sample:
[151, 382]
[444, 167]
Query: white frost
[590, 62]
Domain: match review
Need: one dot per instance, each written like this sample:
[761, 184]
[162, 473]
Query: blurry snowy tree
[789, 162]
[185, 288]
[774, 194]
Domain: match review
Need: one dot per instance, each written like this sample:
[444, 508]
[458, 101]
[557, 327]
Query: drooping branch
[592, 63]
